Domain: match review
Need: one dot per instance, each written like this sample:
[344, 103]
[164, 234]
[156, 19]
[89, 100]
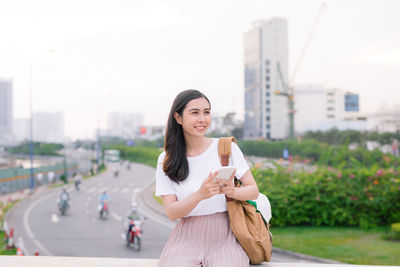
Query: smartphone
[225, 172]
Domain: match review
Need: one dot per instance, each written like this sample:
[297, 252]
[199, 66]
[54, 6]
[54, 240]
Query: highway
[81, 232]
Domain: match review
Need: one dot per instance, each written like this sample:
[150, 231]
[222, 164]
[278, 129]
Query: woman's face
[196, 117]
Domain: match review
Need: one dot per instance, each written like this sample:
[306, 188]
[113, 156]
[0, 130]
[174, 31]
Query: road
[81, 232]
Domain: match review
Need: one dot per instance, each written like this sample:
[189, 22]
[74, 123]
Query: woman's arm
[248, 190]
[177, 209]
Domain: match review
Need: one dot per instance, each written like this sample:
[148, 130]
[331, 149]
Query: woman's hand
[209, 187]
[227, 187]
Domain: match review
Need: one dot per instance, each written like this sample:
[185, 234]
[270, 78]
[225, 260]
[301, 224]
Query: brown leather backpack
[247, 223]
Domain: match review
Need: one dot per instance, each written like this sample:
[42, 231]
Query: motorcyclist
[63, 198]
[77, 180]
[64, 195]
[133, 215]
[116, 170]
[104, 197]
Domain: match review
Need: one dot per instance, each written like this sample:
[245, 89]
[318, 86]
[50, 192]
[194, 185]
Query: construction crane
[288, 87]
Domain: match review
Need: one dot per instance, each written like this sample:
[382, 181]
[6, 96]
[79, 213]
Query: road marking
[94, 220]
[55, 218]
[125, 190]
[117, 217]
[28, 228]
[123, 236]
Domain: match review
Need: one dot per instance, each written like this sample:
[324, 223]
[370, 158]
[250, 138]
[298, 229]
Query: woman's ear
[178, 118]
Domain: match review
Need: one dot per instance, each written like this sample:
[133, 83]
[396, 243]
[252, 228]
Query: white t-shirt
[199, 168]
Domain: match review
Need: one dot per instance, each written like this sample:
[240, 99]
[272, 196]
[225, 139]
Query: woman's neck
[196, 145]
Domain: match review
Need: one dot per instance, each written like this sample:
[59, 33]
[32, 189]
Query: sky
[89, 58]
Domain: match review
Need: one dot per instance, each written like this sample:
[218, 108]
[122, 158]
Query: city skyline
[135, 57]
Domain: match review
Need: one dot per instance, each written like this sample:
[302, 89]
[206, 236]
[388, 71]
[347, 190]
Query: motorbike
[63, 206]
[134, 236]
[104, 210]
[77, 183]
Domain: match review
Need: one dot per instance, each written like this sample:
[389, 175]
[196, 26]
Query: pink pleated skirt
[205, 241]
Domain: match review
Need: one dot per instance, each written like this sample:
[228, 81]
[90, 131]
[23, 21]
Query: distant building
[319, 108]
[126, 125]
[6, 111]
[21, 129]
[266, 48]
[48, 127]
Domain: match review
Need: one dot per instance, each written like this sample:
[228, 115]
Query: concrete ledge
[43, 261]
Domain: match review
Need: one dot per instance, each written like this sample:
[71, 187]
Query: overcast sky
[135, 56]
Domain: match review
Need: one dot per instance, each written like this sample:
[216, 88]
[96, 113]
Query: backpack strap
[224, 152]
[224, 149]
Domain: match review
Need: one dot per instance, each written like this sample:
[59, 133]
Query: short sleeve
[164, 184]
[239, 161]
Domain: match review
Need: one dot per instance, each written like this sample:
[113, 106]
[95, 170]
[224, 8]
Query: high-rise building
[48, 127]
[6, 115]
[265, 70]
[125, 125]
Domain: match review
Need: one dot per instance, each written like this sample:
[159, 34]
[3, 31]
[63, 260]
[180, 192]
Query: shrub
[334, 197]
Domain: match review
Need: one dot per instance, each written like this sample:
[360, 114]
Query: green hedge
[349, 197]
[320, 153]
[141, 154]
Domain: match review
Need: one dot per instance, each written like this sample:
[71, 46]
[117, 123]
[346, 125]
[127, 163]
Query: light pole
[32, 181]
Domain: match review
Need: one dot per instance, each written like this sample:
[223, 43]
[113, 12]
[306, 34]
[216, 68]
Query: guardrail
[47, 261]
[15, 179]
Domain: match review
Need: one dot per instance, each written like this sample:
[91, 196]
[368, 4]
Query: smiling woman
[186, 179]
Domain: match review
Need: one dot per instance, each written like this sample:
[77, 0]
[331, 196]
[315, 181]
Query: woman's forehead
[198, 103]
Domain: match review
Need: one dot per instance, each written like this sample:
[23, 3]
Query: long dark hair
[176, 166]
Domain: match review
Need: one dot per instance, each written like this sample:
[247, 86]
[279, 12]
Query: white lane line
[125, 190]
[28, 228]
[55, 218]
[116, 216]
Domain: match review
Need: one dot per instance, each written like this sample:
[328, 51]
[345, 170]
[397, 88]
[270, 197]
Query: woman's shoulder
[161, 157]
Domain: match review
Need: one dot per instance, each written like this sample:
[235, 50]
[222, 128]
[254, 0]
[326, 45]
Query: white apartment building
[319, 108]
[125, 125]
[48, 127]
[6, 111]
[266, 48]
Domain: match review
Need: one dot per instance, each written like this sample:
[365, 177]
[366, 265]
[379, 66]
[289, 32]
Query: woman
[186, 181]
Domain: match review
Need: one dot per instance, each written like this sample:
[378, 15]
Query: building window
[267, 118]
[267, 62]
[266, 70]
[331, 116]
[331, 101]
[267, 78]
[330, 108]
[267, 102]
[268, 135]
[268, 126]
[267, 109]
[267, 86]
[330, 94]
[267, 94]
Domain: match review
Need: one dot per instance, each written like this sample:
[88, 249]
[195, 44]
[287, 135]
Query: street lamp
[32, 182]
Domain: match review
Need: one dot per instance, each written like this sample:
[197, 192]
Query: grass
[3, 244]
[3, 250]
[349, 245]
